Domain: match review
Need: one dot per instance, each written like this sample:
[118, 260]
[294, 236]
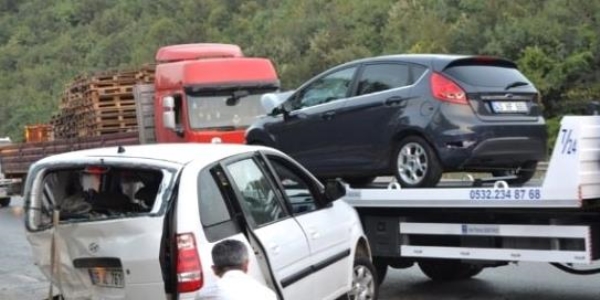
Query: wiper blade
[516, 84]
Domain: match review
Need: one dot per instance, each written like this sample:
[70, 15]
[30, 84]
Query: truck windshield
[212, 111]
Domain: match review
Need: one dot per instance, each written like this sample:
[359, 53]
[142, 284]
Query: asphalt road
[20, 279]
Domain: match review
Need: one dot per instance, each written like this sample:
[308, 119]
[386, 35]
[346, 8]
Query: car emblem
[508, 96]
[93, 247]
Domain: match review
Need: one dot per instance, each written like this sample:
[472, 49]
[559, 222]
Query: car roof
[438, 61]
[174, 153]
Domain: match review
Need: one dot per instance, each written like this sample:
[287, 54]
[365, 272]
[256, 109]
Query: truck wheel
[4, 202]
[416, 164]
[523, 174]
[448, 270]
[364, 280]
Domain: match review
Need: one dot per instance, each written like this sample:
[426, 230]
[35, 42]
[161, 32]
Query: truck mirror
[169, 119]
[168, 102]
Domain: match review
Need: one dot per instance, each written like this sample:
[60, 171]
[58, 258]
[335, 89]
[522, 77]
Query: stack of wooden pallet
[99, 104]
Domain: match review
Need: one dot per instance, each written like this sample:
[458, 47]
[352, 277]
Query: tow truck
[457, 229]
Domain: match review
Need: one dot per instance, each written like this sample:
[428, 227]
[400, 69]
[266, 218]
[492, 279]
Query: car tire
[523, 174]
[359, 181]
[416, 164]
[448, 270]
[4, 202]
[364, 280]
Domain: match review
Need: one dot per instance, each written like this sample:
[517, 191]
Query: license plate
[2, 193]
[107, 277]
[509, 107]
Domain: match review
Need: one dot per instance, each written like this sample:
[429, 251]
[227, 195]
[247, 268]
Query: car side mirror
[168, 105]
[334, 189]
[270, 102]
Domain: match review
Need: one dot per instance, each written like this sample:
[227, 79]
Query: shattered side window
[99, 192]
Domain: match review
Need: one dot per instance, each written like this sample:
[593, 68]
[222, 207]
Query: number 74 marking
[569, 145]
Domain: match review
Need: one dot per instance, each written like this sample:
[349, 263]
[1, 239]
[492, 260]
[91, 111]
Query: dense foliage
[44, 44]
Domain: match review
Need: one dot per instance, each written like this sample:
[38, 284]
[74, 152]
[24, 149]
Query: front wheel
[4, 202]
[364, 280]
[416, 164]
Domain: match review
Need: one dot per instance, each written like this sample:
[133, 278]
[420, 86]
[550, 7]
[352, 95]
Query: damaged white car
[139, 223]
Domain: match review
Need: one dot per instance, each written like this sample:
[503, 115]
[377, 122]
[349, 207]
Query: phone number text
[505, 194]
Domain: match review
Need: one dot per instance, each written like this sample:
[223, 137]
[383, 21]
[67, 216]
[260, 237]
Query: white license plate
[2, 193]
[107, 277]
[509, 107]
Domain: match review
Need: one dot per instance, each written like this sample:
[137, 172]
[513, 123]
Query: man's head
[229, 255]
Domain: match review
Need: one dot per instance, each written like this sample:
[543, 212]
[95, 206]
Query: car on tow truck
[139, 222]
[414, 116]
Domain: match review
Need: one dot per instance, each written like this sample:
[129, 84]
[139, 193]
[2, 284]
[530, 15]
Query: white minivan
[139, 222]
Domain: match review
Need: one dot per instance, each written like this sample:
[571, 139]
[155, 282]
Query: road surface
[20, 279]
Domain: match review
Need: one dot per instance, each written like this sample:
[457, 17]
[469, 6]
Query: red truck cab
[208, 92]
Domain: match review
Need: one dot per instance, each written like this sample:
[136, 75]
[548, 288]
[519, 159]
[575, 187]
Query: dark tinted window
[486, 75]
[213, 203]
[213, 209]
[416, 72]
[325, 89]
[381, 77]
[259, 200]
[295, 187]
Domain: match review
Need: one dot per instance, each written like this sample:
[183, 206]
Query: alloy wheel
[363, 284]
[412, 163]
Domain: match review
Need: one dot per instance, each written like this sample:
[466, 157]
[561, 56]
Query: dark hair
[229, 254]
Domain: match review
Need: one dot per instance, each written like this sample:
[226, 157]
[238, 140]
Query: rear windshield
[486, 75]
[96, 193]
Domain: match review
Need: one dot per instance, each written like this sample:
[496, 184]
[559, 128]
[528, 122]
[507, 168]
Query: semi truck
[201, 93]
[7, 186]
[457, 229]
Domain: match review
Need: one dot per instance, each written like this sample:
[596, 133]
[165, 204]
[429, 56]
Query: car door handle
[394, 100]
[314, 234]
[328, 115]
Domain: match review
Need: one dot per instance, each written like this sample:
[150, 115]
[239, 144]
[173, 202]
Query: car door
[371, 117]
[282, 238]
[310, 132]
[326, 226]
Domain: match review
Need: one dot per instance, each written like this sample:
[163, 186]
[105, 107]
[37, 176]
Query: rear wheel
[4, 202]
[448, 270]
[416, 164]
[364, 280]
[523, 173]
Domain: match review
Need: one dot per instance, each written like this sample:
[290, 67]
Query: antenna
[120, 149]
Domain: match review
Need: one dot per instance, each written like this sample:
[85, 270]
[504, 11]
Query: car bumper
[490, 147]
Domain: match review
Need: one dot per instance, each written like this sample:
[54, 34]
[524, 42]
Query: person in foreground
[230, 264]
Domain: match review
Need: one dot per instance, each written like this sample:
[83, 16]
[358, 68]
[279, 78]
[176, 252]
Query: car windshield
[212, 111]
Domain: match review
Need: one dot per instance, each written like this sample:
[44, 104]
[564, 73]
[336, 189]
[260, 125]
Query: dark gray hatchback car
[411, 116]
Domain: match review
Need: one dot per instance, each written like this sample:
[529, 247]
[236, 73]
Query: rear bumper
[491, 147]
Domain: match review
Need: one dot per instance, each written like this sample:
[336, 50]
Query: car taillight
[189, 269]
[445, 89]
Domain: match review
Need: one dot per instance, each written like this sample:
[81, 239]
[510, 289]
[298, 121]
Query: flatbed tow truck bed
[465, 225]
